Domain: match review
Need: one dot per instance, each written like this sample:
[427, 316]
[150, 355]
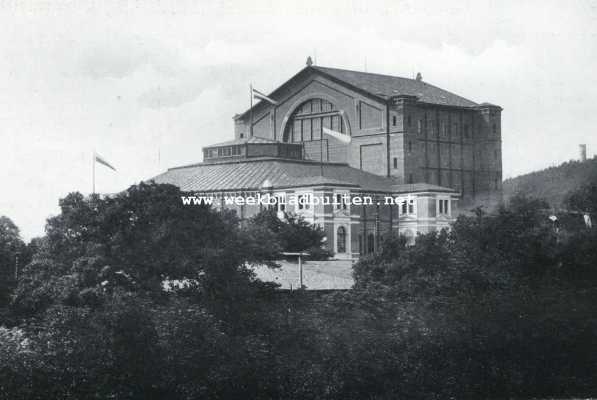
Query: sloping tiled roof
[387, 85]
[250, 175]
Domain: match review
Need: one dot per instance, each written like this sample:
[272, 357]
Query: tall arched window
[341, 240]
[308, 120]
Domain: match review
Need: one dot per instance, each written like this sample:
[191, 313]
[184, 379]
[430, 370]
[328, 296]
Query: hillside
[553, 184]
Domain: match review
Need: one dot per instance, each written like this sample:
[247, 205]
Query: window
[494, 128]
[444, 207]
[341, 240]
[420, 126]
[407, 206]
[410, 178]
[466, 131]
[409, 121]
[242, 135]
[394, 120]
[303, 202]
[495, 154]
[395, 163]
[280, 203]
[341, 202]
[410, 146]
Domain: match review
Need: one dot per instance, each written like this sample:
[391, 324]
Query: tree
[290, 233]
[136, 240]
[12, 251]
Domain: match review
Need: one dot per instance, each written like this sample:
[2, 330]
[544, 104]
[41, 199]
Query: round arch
[296, 112]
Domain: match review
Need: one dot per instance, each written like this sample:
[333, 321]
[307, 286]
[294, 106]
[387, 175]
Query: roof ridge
[369, 73]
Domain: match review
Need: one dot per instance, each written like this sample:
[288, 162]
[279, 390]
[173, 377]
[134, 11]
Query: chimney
[419, 76]
[583, 152]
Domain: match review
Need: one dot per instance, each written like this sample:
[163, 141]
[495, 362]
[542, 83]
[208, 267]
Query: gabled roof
[249, 175]
[380, 87]
[388, 86]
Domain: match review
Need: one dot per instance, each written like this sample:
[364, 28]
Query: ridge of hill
[554, 183]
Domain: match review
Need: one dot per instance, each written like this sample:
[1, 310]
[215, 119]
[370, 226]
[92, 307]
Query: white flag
[100, 159]
[338, 135]
[588, 222]
[258, 95]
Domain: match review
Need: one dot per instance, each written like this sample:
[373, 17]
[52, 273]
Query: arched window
[341, 240]
[308, 120]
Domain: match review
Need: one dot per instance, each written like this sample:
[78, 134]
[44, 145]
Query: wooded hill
[554, 183]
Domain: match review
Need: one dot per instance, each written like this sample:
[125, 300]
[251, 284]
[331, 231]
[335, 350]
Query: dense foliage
[292, 233]
[502, 306]
[553, 184]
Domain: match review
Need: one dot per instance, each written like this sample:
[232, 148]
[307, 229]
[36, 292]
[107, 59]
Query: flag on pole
[101, 160]
[258, 95]
[338, 135]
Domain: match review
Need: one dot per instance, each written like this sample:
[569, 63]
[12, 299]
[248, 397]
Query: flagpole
[251, 110]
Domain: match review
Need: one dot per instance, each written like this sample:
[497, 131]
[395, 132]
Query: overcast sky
[148, 83]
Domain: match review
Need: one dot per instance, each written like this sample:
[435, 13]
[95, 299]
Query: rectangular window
[410, 178]
[410, 146]
[443, 206]
[316, 131]
[420, 126]
[395, 163]
[409, 121]
[307, 129]
[411, 206]
[280, 203]
[304, 202]
[394, 120]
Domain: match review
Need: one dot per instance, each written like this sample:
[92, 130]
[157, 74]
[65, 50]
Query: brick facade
[398, 136]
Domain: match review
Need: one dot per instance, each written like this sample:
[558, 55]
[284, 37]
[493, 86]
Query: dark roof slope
[250, 175]
[387, 86]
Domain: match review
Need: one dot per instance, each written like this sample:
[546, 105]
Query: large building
[335, 134]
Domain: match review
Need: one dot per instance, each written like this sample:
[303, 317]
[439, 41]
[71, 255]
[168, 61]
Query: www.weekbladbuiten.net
[293, 200]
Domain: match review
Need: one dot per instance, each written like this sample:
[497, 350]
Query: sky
[147, 84]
